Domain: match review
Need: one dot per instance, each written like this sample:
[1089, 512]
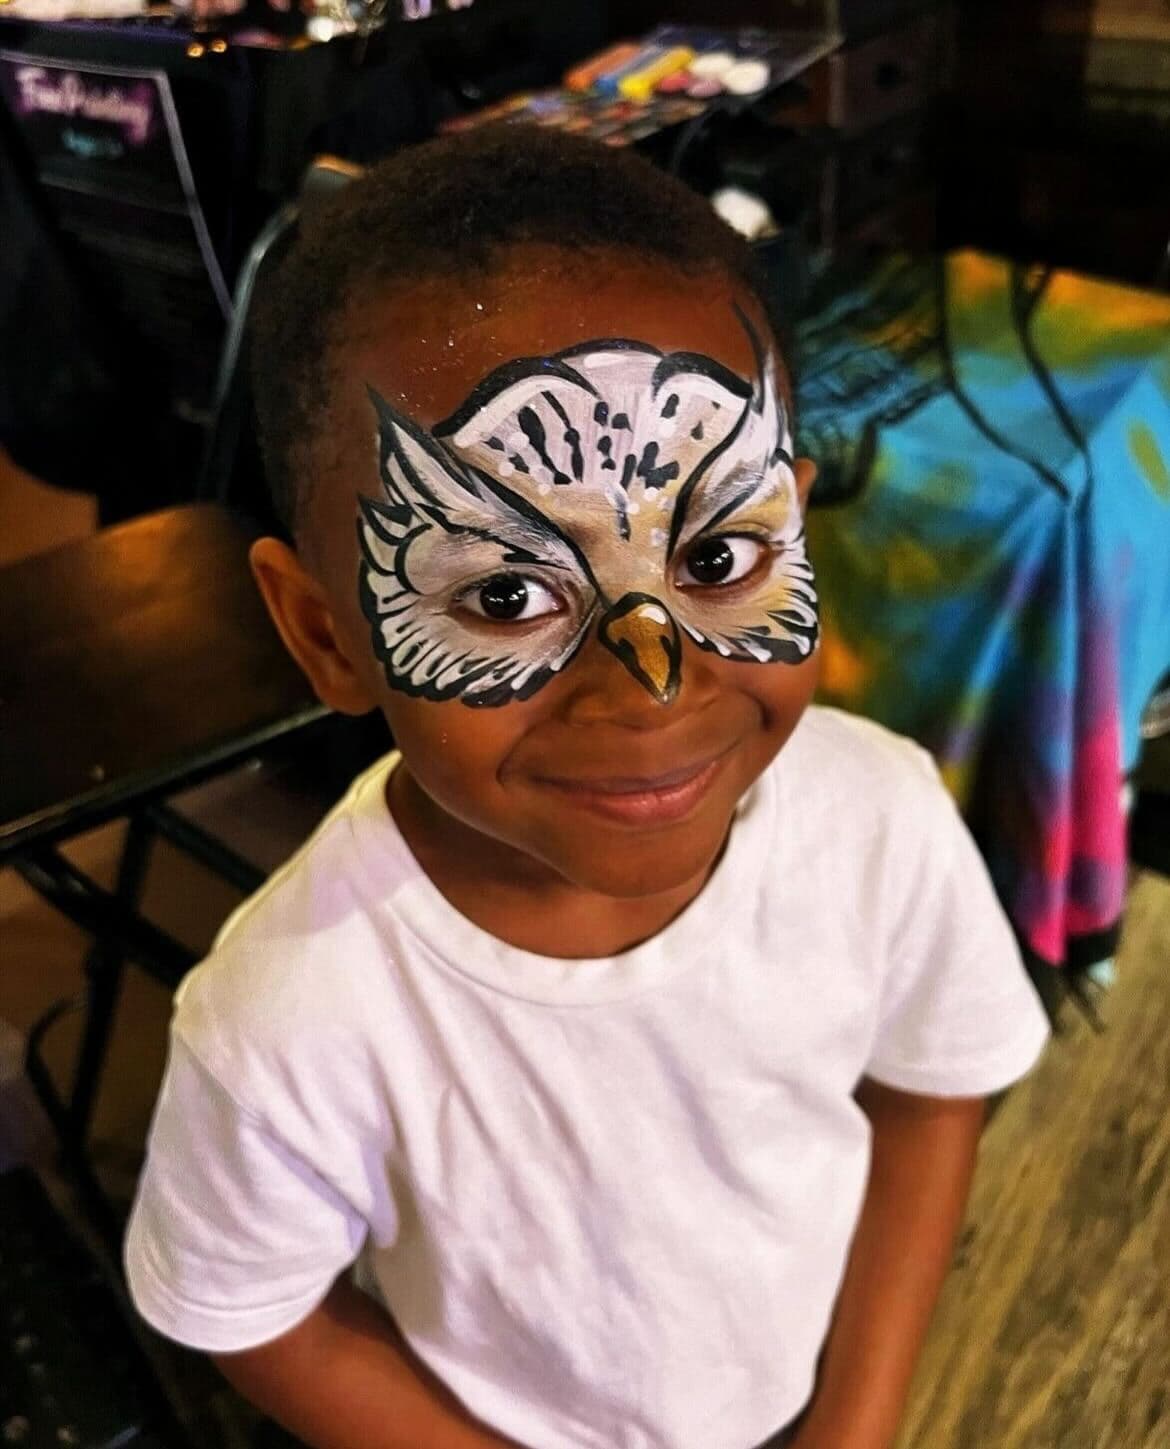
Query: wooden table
[133, 664]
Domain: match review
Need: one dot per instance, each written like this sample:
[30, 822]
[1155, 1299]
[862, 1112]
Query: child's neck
[518, 898]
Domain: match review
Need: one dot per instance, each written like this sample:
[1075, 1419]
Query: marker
[639, 85]
[583, 77]
[607, 84]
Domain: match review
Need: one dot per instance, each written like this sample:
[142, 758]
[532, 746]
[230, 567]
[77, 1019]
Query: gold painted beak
[641, 632]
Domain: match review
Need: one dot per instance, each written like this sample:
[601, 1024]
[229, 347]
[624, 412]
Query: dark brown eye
[711, 561]
[504, 597]
[724, 559]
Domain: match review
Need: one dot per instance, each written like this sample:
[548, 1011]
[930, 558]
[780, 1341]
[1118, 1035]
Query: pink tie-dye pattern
[1084, 851]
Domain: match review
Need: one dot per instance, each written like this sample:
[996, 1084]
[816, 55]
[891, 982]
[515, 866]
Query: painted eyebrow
[754, 401]
[745, 481]
[729, 495]
[683, 501]
[541, 522]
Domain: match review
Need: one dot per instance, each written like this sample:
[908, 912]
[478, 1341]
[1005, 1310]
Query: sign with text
[111, 161]
[108, 142]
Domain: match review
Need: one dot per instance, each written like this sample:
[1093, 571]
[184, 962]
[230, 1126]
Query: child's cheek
[783, 691]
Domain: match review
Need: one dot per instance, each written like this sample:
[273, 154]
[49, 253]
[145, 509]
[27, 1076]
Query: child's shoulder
[296, 956]
[835, 757]
[835, 730]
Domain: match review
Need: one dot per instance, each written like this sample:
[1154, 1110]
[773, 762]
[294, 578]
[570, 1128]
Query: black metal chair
[133, 665]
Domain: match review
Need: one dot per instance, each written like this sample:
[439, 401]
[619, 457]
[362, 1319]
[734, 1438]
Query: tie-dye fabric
[993, 549]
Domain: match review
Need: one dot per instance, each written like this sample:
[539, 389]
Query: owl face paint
[610, 487]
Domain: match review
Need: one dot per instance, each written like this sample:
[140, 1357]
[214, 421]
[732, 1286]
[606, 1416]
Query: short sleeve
[233, 1239]
[958, 1016]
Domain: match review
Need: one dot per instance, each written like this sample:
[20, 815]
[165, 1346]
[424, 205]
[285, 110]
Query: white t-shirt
[609, 1202]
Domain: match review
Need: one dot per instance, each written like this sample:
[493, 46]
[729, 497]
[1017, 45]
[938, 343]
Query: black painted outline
[670, 366]
[754, 402]
[371, 513]
[621, 649]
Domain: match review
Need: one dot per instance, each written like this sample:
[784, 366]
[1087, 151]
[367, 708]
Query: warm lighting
[195, 50]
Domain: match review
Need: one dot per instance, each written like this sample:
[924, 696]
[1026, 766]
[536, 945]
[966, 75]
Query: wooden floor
[1054, 1328]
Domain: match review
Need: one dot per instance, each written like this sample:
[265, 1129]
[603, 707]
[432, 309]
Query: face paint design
[609, 486]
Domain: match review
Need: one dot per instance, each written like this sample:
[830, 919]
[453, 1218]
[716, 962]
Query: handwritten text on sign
[65, 93]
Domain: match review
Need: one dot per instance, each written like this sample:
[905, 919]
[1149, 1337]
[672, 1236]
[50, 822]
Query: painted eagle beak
[641, 632]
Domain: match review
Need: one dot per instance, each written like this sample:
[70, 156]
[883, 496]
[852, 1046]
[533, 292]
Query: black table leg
[105, 967]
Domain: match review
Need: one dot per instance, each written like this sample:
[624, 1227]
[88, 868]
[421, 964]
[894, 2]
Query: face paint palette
[585, 113]
[610, 490]
[674, 75]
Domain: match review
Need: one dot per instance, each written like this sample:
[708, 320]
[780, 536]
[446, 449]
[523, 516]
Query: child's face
[572, 576]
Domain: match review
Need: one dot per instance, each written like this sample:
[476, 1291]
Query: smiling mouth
[659, 800]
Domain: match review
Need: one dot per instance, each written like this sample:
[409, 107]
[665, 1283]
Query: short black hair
[454, 206]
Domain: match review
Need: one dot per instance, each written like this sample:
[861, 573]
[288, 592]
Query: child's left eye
[723, 559]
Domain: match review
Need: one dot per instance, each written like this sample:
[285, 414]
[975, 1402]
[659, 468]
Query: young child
[627, 1033]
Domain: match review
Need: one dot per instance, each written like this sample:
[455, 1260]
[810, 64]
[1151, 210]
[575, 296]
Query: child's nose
[639, 630]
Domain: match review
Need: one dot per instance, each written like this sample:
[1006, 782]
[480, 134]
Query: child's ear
[805, 471]
[305, 622]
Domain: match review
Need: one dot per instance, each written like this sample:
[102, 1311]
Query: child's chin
[639, 867]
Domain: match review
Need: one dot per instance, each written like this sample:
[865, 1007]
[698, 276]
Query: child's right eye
[508, 598]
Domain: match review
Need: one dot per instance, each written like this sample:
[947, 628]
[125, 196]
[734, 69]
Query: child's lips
[660, 799]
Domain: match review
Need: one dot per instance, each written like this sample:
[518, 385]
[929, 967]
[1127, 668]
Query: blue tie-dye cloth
[992, 542]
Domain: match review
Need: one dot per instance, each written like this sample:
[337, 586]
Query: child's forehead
[425, 349]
